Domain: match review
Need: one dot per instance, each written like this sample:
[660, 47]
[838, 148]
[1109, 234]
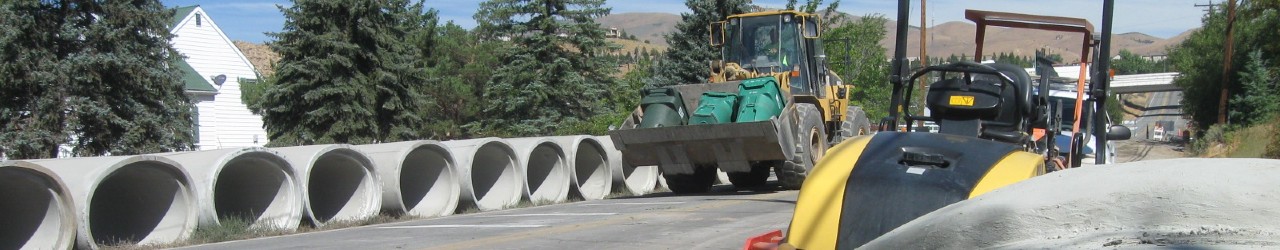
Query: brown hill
[957, 38]
[645, 26]
[944, 39]
[260, 55]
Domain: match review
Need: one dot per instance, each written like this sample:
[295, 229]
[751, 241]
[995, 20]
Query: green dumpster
[714, 108]
[663, 107]
[760, 99]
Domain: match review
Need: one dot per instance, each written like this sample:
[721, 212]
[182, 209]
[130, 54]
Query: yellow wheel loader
[771, 104]
[988, 117]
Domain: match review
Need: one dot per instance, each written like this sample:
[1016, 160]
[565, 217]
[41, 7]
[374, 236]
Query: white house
[213, 71]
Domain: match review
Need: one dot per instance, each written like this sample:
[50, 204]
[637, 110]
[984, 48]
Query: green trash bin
[663, 107]
[714, 108]
[760, 99]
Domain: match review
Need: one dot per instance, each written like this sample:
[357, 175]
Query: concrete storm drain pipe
[488, 170]
[127, 199]
[35, 208]
[638, 180]
[254, 184]
[419, 178]
[591, 174]
[338, 183]
[546, 172]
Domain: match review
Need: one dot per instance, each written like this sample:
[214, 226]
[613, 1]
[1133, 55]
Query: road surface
[720, 220]
[1160, 106]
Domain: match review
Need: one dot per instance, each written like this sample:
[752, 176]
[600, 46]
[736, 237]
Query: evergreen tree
[1260, 100]
[345, 74]
[1198, 59]
[685, 62]
[94, 75]
[460, 65]
[557, 70]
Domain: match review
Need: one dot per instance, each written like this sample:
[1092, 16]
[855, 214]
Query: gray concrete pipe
[256, 184]
[487, 168]
[544, 167]
[637, 180]
[338, 183]
[591, 175]
[139, 199]
[419, 178]
[35, 207]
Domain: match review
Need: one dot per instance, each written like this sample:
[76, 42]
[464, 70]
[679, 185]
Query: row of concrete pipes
[163, 198]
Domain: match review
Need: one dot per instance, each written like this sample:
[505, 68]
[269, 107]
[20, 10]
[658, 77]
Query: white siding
[208, 129]
[211, 53]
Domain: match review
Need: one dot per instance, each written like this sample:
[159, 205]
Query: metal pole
[924, 57]
[898, 75]
[1102, 84]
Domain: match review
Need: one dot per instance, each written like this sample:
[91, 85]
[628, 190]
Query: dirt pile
[1175, 202]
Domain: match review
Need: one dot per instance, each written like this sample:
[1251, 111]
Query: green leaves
[1199, 59]
[860, 61]
[95, 76]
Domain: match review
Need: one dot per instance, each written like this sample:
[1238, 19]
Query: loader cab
[779, 43]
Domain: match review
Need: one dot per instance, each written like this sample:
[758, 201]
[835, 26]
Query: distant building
[613, 33]
[213, 71]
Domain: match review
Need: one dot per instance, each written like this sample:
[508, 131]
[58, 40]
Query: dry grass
[260, 55]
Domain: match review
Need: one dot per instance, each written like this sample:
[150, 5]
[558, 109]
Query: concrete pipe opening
[428, 186]
[493, 177]
[591, 170]
[340, 186]
[546, 176]
[143, 202]
[258, 187]
[36, 210]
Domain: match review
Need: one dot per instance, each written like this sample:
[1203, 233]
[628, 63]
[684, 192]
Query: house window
[198, 19]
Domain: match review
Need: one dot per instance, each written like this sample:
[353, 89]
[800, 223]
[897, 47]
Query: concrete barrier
[338, 183]
[544, 167]
[35, 208]
[127, 199]
[487, 168]
[247, 183]
[419, 178]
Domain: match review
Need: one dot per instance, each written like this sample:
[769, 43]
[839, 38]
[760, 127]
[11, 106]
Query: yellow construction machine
[771, 103]
[989, 116]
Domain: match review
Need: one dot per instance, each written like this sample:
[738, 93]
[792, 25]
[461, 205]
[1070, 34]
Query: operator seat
[1012, 122]
[959, 105]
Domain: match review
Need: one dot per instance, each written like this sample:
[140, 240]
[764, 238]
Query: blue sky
[249, 19]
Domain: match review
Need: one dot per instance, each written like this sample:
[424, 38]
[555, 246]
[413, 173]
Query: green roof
[193, 80]
[180, 13]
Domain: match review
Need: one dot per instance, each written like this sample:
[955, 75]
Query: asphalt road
[1161, 106]
[720, 220]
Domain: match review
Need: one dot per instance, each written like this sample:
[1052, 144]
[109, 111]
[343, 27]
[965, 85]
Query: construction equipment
[988, 119]
[772, 103]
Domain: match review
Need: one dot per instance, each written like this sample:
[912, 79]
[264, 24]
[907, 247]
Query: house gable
[224, 120]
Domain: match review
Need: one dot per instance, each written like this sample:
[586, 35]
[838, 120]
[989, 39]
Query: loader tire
[811, 136]
[855, 123]
[754, 179]
[700, 181]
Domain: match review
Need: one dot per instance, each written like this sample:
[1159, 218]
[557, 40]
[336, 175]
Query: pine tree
[345, 74]
[558, 69]
[95, 76]
[462, 63]
[685, 62]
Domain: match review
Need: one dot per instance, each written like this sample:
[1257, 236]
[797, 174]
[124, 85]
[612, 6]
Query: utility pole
[924, 58]
[1226, 62]
[1212, 7]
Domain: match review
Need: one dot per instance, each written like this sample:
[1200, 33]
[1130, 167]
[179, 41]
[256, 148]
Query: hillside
[945, 39]
[260, 55]
[645, 26]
